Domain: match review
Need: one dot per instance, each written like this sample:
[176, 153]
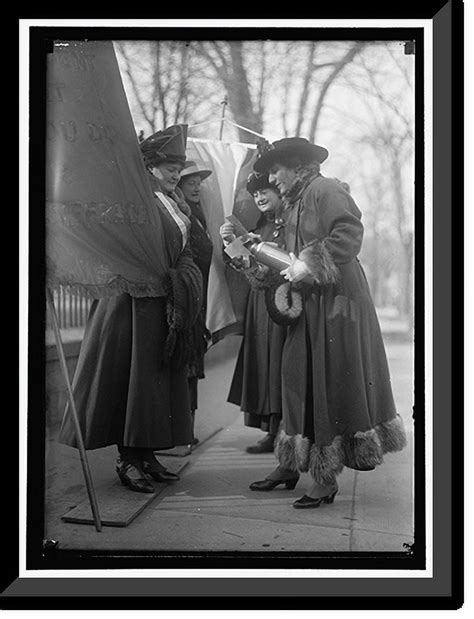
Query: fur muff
[261, 277]
[362, 451]
[284, 303]
[319, 261]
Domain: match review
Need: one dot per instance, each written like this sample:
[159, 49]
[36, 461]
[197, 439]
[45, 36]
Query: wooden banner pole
[77, 427]
[224, 103]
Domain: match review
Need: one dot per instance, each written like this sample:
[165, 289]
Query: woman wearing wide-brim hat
[130, 384]
[201, 246]
[337, 402]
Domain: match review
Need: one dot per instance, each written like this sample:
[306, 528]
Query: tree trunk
[240, 101]
[305, 90]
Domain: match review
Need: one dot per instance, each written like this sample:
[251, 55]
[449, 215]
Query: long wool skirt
[256, 384]
[123, 392]
[338, 406]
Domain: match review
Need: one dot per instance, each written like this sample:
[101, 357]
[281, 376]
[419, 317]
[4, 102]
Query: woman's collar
[297, 189]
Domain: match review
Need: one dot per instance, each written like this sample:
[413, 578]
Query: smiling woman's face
[168, 175]
[282, 177]
[267, 200]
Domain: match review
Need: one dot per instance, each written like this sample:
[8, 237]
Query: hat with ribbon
[256, 181]
[191, 168]
[166, 145]
[285, 150]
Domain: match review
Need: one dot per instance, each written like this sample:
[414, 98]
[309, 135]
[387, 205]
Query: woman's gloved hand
[296, 271]
[227, 232]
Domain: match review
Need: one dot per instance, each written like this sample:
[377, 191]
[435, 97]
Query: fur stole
[184, 302]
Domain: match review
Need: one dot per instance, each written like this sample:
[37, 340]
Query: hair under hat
[256, 181]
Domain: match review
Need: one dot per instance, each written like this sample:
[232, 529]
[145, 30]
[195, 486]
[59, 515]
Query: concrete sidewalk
[212, 507]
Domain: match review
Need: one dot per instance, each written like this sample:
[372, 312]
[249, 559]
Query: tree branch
[310, 67]
[134, 87]
[345, 60]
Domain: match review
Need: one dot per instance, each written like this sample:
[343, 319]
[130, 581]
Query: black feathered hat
[288, 148]
[166, 145]
[257, 181]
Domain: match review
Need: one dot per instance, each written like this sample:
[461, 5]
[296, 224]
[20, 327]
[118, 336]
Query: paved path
[212, 507]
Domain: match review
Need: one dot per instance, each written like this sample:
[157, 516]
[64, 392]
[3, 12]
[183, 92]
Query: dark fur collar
[304, 178]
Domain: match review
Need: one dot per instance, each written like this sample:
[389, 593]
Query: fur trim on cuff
[319, 261]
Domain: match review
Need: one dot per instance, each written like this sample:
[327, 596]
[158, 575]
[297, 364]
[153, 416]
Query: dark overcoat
[338, 407]
[123, 391]
[256, 383]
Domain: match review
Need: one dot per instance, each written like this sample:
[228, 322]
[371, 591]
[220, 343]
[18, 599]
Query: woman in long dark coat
[256, 384]
[201, 247]
[338, 407]
[130, 384]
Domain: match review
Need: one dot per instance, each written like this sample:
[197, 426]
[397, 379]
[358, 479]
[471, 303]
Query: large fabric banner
[224, 193]
[103, 233]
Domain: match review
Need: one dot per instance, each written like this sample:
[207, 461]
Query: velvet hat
[257, 181]
[287, 148]
[166, 145]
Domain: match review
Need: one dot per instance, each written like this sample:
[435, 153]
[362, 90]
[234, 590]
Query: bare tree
[337, 68]
[227, 60]
[129, 69]
[395, 150]
[157, 75]
[305, 91]
[284, 88]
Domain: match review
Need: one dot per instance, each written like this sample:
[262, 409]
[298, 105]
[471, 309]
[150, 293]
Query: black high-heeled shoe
[269, 484]
[133, 477]
[159, 474]
[307, 502]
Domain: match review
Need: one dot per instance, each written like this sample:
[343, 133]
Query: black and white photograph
[231, 282]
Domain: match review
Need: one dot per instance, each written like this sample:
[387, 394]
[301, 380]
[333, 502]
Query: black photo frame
[443, 588]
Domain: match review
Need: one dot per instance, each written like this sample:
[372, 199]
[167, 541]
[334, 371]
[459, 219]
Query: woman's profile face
[191, 187]
[267, 200]
[168, 175]
[282, 177]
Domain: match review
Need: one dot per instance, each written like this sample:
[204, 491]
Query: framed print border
[436, 579]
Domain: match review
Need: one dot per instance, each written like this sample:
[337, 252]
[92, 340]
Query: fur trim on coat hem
[361, 451]
[319, 261]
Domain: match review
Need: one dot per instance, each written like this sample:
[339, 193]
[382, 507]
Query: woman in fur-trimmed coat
[338, 407]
